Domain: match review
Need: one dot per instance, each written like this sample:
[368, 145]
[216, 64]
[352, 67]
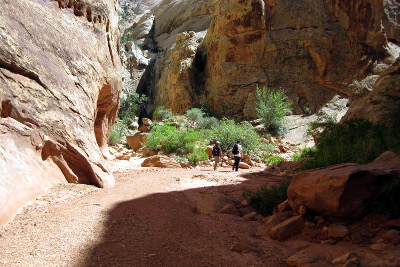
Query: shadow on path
[163, 229]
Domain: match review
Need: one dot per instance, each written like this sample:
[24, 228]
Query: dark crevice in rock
[12, 67]
[6, 109]
[18, 70]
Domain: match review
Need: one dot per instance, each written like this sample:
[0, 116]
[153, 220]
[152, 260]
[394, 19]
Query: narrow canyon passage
[147, 219]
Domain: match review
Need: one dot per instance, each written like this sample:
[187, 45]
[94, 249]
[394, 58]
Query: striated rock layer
[59, 93]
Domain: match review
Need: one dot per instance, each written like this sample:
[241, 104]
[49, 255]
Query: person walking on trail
[237, 154]
[217, 154]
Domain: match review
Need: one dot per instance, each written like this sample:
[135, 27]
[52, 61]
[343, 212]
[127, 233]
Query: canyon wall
[314, 50]
[311, 49]
[59, 93]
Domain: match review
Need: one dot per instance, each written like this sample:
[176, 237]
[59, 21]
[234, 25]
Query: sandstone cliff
[59, 93]
[313, 49]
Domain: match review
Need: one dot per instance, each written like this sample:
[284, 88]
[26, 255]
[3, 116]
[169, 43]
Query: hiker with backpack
[237, 155]
[216, 151]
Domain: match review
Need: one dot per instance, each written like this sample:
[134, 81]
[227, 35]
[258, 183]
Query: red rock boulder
[343, 190]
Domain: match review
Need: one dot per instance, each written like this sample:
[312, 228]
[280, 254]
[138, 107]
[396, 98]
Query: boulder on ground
[161, 161]
[135, 141]
[147, 121]
[208, 203]
[343, 190]
[243, 165]
[145, 128]
[287, 228]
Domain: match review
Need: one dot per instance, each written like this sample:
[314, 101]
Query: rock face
[343, 190]
[314, 50]
[383, 102]
[300, 46]
[59, 93]
[173, 31]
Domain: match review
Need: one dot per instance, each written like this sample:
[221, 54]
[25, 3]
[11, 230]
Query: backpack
[235, 149]
[215, 150]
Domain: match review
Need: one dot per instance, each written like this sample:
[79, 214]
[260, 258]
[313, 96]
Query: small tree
[271, 109]
[131, 105]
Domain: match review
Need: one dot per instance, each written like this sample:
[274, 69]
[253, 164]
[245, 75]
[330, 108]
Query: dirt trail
[147, 219]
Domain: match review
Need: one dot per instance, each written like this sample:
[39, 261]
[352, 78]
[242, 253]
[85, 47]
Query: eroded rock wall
[59, 93]
[312, 49]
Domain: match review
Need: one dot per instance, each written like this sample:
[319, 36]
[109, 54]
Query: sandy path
[147, 219]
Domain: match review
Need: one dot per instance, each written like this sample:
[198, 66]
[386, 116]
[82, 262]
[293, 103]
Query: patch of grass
[266, 199]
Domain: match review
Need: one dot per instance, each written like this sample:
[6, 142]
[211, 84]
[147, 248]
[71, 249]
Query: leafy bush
[197, 155]
[273, 159]
[131, 105]
[194, 114]
[162, 113]
[229, 132]
[118, 131]
[266, 199]
[307, 152]
[324, 123]
[169, 139]
[357, 141]
[271, 109]
[208, 123]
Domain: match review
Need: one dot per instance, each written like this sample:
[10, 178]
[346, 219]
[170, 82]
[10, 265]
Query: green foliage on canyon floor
[356, 141]
[267, 198]
[187, 136]
[272, 107]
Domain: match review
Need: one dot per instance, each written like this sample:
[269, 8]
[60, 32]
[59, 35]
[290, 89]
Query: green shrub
[357, 141]
[229, 132]
[197, 155]
[266, 199]
[130, 106]
[118, 131]
[307, 152]
[162, 113]
[208, 123]
[273, 159]
[194, 114]
[272, 107]
[323, 124]
[169, 139]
